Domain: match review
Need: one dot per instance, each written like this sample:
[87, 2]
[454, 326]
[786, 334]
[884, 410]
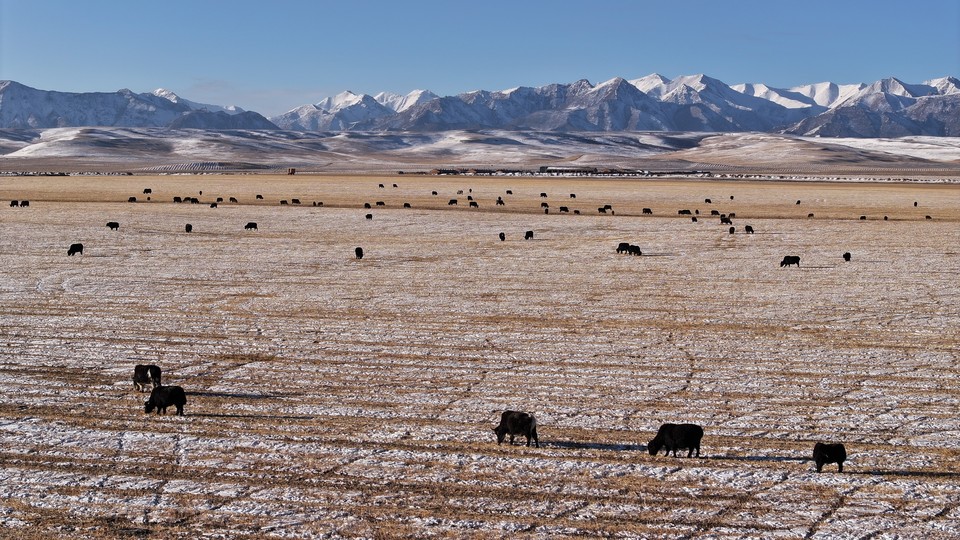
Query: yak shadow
[570, 445]
[238, 395]
[773, 459]
[906, 473]
[256, 416]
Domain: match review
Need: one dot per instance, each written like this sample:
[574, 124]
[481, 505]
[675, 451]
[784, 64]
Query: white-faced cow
[164, 396]
[674, 437]
[144, 375]
[74, 249]
[829, 453]
[790, 260]
[515, 423]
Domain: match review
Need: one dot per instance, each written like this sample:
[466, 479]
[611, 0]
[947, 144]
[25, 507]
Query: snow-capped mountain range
[885, 108]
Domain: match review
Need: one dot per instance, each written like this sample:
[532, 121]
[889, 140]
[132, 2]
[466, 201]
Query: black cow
[544, 205]
[829, 453]
[573, 195]
[395, 185]
[233, 199]
[608, 207]
[250, 226]
[452, 202]
[433, 193]
[380, 186]
[714, 212]
[113, 225]
[381, 203]
[693, 219]
[676, 436]
[648, 211]
[732, 215]
[509, 192]
[733, 230]
[577, 212]
[564, 209]
[623, 247]
[359, 252]
[188, 228]
[27, 203]
[863, 218]
[132, 199]
[789, 260]
[147, 191]
[366, 205]
[517, 423]
[748, 229]
[528, 235]
[219, 199]
[543, 194]
[283, 202]
[634, 250]
[164, 396]
[724, 220]
[503, 237]
[459, 192]
[75, 248]
[470, 197]
[14, 204]
[846, 256]
[194, 200]
[407, 205]
[684, 213]
[708, 201]
[144, 375]
[368, 216]
[259, 197]
[473, 204]
[178, 199]
[809, 215]
[500, 201]
[602, 210]
[213, 205]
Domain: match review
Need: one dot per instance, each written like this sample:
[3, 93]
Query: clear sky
[272, 56]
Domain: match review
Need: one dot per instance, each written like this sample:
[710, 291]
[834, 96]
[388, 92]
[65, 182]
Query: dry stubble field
[330, 396]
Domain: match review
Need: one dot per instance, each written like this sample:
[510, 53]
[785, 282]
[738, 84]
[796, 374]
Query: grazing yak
[27, 203]
[358, 252]
[188, 228]
[368, 216]
[623, 247]
[219, 199]
[714, 212]
[846, 256]
[146, 374]
[564, 209]
[573, 195]
[113, 225]
[634, 250]
[14, 204]
[544, 205]
[509, 192]
[366, 205]
[733, 230]
[250, 226]
[602, 210]
[147, 191]
[213, 205]
[515, 423]
[283, 202]
[503, 237]
[684, 212]
[164, 396]
[789, 260]
[748, 229]
[233, 199]
[75, 248]
[381, 203]
[473, 204]
[500, 201]
[708, 201]
[259, 197]
[528, 235]
[724, 220]
[829, 453]
[543, 194]
[407, 205]
[434, 193]
[132, 199]
[178, 199]
[648, 211]
[452, 202]
[676, 436]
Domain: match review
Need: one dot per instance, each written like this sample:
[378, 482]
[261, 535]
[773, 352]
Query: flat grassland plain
[336, 397]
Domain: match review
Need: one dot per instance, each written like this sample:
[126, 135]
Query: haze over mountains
[698, 103]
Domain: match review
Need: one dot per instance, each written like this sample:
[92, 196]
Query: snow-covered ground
[330, 396]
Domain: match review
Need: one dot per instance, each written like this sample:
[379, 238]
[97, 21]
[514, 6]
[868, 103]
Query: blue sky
[271, 56]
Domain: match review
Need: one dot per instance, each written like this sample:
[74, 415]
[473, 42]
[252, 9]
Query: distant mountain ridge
[884, 108]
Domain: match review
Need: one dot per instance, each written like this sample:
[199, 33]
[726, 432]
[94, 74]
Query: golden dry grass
[355, 398]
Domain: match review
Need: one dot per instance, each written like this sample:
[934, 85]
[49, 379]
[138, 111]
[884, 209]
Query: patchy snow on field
[336, 397]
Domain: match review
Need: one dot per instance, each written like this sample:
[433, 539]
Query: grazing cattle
[798, 202]
[164, 396]
[469, 197]
[406, 205]
[381, 203]
[708, 201]
[473, 204]
[928, 217]
[602, 210]
[608, 207]
[219, 199]
[509, 192]
[697, 211]
[676, 436]
[724, 220]
[885, 218]
[809, 215]
[295, 201]
[292, 171]
[684, 212]
[846, 256]
[789, 260]
[459, 192]
[564, 209]
[144, 375]
[194, 200]
[732, 215]
[544, 205]
[283, 202]
[452, 202]
[648, 211]
[546, 210]
[577, 212]
[500, 201]
[863, 218]
[147, 191]
[731, 197]
[914, 204]
[748, 229]
[528, 235]
[573, 195]
[634, 250]
[358, 252]
[132, 199]
[714, 212]
[623, 247]
[515, 423]
[75, 248]
[113, 225]
[250, 226]
[395, 185]
[693, 219]
[380, 186]
[318, 203]
[433, 193]
[213, 205]
[233, 199]
[543, 194]
[829, 453]
[368, 216]
[259, 197]
[27, 203]
[14, 204]
[177, 200]
[502, 237]
[366, 205]
[188, 227]
[733, 230]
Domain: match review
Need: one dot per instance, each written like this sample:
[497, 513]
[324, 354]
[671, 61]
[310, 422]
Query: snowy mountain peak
[340, 101]
[944, 85]
[399, 103]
